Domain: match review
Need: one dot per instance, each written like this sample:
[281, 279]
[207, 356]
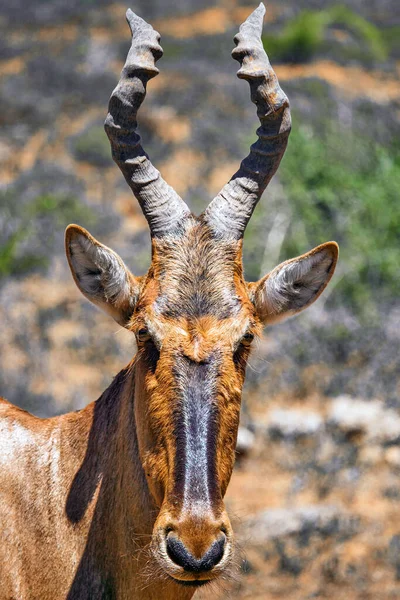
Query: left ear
[294, 284]
[101, 274]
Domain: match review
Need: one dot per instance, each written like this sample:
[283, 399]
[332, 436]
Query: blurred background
[315, 495]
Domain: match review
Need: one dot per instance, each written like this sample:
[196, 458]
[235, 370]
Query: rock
[246, 567]
[288, 563]
[392, 493]
[353, 415]
[392, 456]
[294, 423]
[245, 441]
[280, 523]
[371, 455]
[394, 554]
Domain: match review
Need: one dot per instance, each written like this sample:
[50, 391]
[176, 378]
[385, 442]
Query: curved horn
[163, 208]
[230, 211]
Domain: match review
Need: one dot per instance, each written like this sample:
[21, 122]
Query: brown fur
[87, 496]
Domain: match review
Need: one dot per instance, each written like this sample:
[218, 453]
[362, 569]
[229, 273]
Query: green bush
[392, 38]
[343, 186]
[300, 39]
[28, 233]
[303, 37]
[367, 33]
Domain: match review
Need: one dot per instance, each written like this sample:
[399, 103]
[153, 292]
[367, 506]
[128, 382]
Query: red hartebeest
[146, 467]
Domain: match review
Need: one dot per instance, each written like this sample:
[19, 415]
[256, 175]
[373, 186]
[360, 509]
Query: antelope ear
[101, 274]
[295, 284]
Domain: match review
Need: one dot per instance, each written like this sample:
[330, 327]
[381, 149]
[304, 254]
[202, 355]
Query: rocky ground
[316, 491]
[316, 501]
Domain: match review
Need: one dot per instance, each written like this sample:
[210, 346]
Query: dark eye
[143, 335]
[247, 338]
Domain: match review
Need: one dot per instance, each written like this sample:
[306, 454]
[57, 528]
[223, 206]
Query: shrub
[303, 37]
[28, 233]
[343, 186]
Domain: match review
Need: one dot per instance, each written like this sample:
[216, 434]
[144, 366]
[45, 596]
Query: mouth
[191, 582]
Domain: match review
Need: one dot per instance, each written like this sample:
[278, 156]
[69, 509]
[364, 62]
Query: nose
[180, 555]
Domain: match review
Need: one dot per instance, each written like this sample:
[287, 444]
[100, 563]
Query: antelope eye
[247, 338]
[143, 334]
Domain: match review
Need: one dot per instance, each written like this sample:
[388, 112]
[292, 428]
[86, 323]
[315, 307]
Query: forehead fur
[197, 275]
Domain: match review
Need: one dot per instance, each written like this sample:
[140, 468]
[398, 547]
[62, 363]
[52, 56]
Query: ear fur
[295, 284]
[100, 274]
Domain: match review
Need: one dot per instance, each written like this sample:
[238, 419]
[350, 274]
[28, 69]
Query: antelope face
[194, 318]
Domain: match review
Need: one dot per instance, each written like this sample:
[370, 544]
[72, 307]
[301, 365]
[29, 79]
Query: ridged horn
[163, 208]
[230, 211]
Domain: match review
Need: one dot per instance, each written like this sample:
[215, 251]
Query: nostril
[177, 551]
[181, 556]
[214, 554]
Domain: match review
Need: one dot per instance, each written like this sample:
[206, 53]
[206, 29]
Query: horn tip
[130, 15]
[258, 14]
[134, 21]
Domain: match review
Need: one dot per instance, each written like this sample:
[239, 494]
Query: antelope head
[193, 314]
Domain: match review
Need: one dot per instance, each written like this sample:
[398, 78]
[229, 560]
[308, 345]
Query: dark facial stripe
[196, 430]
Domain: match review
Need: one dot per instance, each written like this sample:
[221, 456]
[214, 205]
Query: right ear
[101, 274]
